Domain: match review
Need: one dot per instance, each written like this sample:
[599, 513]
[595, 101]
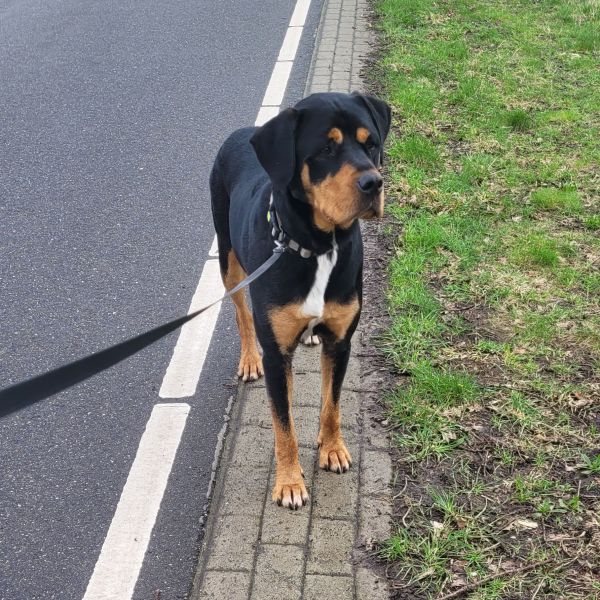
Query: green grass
[493, 290]
[554, 199]
[519, 120]
[536, 250]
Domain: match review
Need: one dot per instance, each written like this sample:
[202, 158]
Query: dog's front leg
[339, 325]
[333, 454]
[289, 489]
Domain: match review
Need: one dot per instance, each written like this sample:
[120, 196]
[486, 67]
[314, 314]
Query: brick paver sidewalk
[254, 549]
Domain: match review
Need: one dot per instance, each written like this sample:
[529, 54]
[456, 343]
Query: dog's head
[327, 151]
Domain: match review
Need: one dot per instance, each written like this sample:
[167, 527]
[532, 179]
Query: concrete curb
[253, 549]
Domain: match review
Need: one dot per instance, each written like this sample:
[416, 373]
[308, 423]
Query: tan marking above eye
[362, 134]
[336, 135]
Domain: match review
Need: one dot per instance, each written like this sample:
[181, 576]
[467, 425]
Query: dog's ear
[275, 147]
[380, 112]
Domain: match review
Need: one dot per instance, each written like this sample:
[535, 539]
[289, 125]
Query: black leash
[38, 388]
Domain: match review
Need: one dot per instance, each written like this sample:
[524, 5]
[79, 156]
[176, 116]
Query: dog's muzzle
[370, 185]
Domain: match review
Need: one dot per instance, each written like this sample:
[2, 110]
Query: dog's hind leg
[232, 273]
[309, 338]
[250, 367]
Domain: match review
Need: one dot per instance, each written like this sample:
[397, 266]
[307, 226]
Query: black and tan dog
[305, 177]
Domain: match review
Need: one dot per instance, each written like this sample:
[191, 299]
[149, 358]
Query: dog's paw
[309, 339]
[290, 491]
[334, 456]
[251, 366]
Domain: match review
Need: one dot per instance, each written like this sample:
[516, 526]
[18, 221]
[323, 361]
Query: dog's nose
[370, 182]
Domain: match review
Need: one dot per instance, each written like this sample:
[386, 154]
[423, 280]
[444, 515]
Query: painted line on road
[278, 83]
[117, 569]
[290, 43]
[183, 373]
[300, 12]
[266, 113]
[118, 566]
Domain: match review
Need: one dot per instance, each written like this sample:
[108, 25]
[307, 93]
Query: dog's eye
[369, 144]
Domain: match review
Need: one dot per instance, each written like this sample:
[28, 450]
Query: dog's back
[235, 179]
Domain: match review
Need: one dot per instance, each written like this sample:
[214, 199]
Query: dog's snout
[370, 182]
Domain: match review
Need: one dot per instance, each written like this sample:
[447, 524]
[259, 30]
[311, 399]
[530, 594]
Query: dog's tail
[219, 198]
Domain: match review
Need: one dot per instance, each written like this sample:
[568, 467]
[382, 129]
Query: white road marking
[265, 113]
[299, 15]
[118, 566]
[214, 248]
[185, 367]
[290, 43]
[184, 370]
[278, 83]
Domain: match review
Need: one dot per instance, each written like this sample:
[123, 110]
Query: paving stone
[278, 573]
[331, 524]
[284, 526]
[328, 587]
[234, 542]
[369, 586]
[376, 471]
[306, 419]
[339, 86]
[374, 524]
[253, 446]
[330, 547]
[218, 585]
[244, 490]
[322, 71]
[321, 86]
[307, 359]
[375, 434]
[349, 408]
[336, 496]
[307, 390]
[256, 410]
[353, 378]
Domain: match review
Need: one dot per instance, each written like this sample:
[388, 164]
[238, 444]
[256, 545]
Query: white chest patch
[315, 301]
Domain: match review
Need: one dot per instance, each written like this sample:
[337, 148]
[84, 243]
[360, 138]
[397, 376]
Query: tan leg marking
[333, 454]
[288, 323]
[289, 489]
[338, 317]
[250, 366]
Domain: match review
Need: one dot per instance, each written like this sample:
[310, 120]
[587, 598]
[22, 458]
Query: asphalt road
[110, 116]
